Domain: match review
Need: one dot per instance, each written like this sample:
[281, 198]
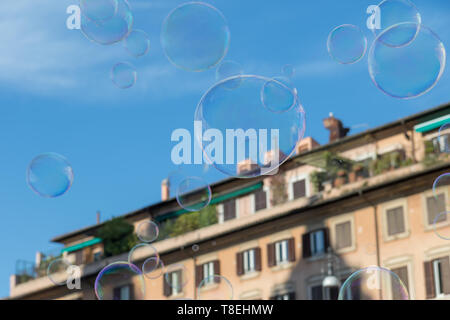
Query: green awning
[214, 200]
[432, 124]
[81, 245]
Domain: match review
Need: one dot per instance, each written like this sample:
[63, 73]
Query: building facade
[360, 200]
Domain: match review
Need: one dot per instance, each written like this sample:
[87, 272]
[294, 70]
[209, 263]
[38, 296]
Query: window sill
[397, 236]
[442, 297]
[438, 226]
[209, 287]
[282, 266]
[346, 250]
[250, 275]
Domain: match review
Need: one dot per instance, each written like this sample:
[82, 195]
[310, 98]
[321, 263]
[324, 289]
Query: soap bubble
[373, 283]
[193, 194]
[195, 36]
[123, 75]
[112, 30]
[137, 43]
[99, 9]
[347, 44]
[57, 271]
[215, 287]
[50, 175]
[114, 282]
[241, 115]
[142, 251]
[152, 268]
[147, 231]
[408, 71]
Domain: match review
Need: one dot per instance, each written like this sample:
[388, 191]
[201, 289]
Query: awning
[432, 124]
[215, 200]
[81, 245]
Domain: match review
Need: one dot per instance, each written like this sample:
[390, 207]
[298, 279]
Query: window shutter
[216, 264]
[292, 295]
[257, 259]
[79, 257]
[436, 206]
[316, 293]
[395, 221]
[445, 274]
[271, 254]
[229, 210]
[402, 273]
[198, 275]
[306, 245]
[429, 279]
[326, 238]
[116, 293]
[291, 249]
[131, 292]
[343, 235]
[299, 189]
[240, 263]
[260, 200]
[167, 289]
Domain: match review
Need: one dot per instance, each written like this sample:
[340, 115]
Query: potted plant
[340, 179]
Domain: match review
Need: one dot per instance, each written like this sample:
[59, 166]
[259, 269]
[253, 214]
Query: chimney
[337, 130]
[98, 217]
[246, 165]
[165, 190]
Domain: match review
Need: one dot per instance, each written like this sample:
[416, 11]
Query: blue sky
[56, 95]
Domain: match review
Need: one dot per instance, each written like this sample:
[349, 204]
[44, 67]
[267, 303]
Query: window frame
[221, 211]
[400, 262]
[295, 179]
[333, 234]
[285, 249]
[402, 202]
[427, 194]
[253, 210]
[249, 255]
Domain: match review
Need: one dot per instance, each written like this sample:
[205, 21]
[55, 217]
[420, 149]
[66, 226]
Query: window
[208, 272]
[299, 189]
[435, 206]
[395, 221]
[351, 292]
[248, 261]
[315, 243]
[122, 293]
[343, 235]
[205, 272]
[440, 143]
[285, 296]
[316, 293]
[260, 200]
[281, 252]
[98, 256]
[173, 283]
[437, 277]
[402, 273]
[229, 210]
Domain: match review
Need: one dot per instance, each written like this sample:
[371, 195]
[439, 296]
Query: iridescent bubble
[288, 70]
[120, 281]
[444, 137]
[256, 140]
[195, 247]
[99, 10]
[111, 30]
[123, 75]
[277, 95]
[193, 194]
[408, 71]
[229, 69]
[442, 181]
[373, 283]
[195, 36]
[50, 175]
[137, 43]
[392, 12]
[176, 276]
[57, 271]
[141, 251]
[147, 231]
[152, 268]
[347, 44]
[441, 225]
[215, 287]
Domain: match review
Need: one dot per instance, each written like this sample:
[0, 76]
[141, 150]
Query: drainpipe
[377, 242]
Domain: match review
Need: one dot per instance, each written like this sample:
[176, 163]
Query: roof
[414, 119]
